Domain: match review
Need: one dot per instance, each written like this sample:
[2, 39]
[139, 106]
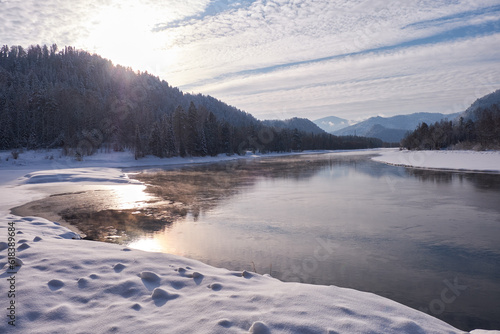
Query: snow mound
[55, 284]
[149, 276]
[161, 296]
[118, 268]
[215, 286]
[70, 235]
[259, 327]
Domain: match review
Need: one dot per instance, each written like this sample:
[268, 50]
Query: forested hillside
[301, 124]
[476, 128]
[78, 101]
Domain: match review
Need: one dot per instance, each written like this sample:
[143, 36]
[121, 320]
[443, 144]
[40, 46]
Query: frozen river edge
[463, 161]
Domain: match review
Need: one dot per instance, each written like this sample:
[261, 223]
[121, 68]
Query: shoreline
[448, 170]
[23, 211]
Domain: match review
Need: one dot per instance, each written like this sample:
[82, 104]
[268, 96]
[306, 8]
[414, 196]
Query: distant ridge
[481, 103]
[385, 134]
[301, 124]
[392, 129]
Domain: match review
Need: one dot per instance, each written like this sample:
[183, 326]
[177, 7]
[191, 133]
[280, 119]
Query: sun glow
[147, 244]
[159, 242]
[124, 34]
[130, 196]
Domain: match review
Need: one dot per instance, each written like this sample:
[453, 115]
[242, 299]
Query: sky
[286, 58]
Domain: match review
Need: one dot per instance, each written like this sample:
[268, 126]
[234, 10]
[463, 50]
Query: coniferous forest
[71, 99]
[479, 130]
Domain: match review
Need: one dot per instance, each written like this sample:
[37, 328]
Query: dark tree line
[80, 102]
[481, 130]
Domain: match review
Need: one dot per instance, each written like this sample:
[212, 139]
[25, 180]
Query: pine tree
[155, 141]
[169, 138]
[193, 140]
[296, 140]
[201, 148]
[180, 130]
[6, 134]
[138, 148]
[226, 139]
[211, 135]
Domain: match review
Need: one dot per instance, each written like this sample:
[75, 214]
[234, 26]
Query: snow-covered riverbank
[66, 285]
[78, 286]
[472, 161]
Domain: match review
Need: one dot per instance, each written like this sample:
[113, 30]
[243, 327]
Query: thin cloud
[29, 22]
[459, 18]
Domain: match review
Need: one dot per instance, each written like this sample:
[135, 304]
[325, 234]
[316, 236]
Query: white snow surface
[67, 285]
[470, 161]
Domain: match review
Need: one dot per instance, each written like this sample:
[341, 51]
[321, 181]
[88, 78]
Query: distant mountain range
[389, 129]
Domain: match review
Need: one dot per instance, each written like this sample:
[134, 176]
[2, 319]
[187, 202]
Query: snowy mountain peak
[332, 123]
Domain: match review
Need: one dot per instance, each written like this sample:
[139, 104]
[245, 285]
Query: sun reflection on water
[130, 196]
[147, 244]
